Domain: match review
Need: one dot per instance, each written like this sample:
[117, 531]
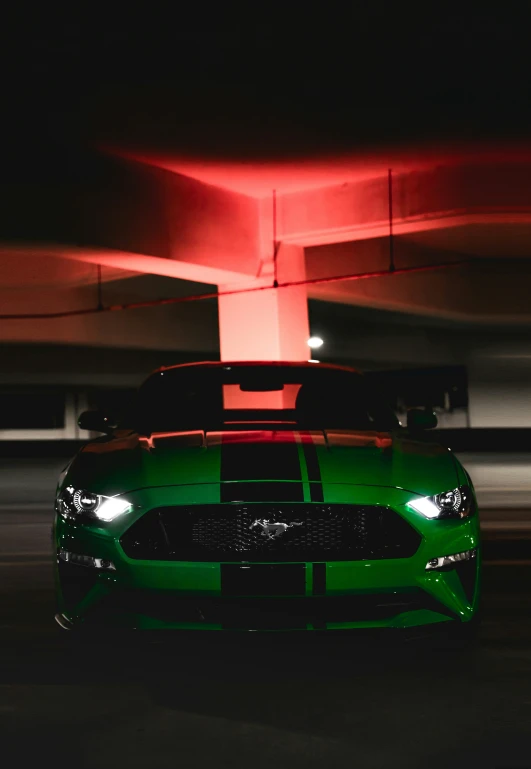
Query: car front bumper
[294, 595]
[287, 596]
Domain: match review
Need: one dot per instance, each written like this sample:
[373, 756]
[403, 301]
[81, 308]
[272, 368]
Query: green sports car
[264, 496]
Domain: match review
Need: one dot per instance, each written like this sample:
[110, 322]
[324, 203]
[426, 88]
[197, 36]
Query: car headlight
[456, 503]
[78, 502]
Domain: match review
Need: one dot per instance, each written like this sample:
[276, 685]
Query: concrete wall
[500, 390]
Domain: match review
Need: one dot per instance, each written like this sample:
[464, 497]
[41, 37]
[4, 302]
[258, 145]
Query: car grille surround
[270, 532]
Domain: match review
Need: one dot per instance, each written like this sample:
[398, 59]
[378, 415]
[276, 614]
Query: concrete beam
[127, 215]
[127, 261]
[439, 198]
[476, 292]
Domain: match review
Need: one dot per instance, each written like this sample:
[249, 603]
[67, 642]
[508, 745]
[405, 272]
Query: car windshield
[235, 396]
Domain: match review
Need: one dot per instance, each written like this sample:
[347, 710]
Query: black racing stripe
[319, 579]
[316, 492]
[260, 462]
[268, 491]
[263, 579]
[312, 466]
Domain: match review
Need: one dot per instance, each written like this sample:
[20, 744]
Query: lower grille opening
[76, 582]
[269, 532]
[262, 613]
[467, 571]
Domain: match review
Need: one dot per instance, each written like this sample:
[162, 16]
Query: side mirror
[96, 421]
[421, 419]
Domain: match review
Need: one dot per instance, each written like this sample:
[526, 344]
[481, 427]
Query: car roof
[265, 364]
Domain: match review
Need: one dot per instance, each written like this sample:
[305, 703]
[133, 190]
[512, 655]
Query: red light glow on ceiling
[258, 177]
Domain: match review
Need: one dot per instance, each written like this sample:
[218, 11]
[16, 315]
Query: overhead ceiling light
[314, 342]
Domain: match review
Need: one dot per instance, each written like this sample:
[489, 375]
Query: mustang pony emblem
[270, 529]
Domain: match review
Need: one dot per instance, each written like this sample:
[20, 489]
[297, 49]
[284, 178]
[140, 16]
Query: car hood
[127, 462]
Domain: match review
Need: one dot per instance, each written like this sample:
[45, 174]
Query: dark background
[350, 74]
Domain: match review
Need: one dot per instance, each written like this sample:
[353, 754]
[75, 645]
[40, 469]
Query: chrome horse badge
[270, 529]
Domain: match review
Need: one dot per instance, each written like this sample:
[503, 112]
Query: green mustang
[264, 496]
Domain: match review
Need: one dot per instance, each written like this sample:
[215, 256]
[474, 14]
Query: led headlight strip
[456, 503]
[78, 502]
[85, 560]
[445, 561]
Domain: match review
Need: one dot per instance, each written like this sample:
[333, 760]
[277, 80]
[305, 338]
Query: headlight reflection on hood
[78, 502]
[456, 503]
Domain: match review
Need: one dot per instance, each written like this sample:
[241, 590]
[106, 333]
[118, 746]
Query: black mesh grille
[270, 532]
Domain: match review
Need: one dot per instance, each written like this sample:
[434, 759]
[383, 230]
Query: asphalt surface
[245, 700]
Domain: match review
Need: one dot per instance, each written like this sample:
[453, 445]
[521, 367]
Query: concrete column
[271, 324]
